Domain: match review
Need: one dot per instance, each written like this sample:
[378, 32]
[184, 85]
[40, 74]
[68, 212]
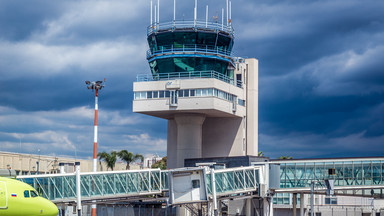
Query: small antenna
[206, 17]
[230, 12]
[155, 15]
[158, 11]
[222, 18]
[227, 13]
[174, 11]
[195, 12]
[151, 12]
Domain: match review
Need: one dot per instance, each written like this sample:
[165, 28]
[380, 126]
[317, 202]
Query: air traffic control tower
[208, 96]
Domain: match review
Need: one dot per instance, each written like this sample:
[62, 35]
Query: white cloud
[90, 16]
[27, 59]
[147, 143]
[347, 73]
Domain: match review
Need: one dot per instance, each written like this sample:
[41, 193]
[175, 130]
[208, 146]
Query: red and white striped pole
[95, 133]
[95, 86]
[95, 143]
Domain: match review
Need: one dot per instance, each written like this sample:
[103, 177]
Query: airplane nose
[51, 210]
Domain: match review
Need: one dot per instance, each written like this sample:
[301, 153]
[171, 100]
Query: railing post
[149, 181]
[214, 199]
[312, 192]
[78, 188]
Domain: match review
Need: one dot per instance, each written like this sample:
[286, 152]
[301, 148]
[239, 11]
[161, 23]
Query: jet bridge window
[26, 193]
[196, 183]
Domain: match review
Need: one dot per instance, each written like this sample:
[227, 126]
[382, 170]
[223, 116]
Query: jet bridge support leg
[294, 202]
[268, 206]
[301, 204]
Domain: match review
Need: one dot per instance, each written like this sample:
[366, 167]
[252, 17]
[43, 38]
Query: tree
[162, 164]
[109, 159]
[285, 157]
[260, 154]
[129, 157]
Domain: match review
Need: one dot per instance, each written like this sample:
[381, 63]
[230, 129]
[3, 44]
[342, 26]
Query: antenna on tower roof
[195, 12]
[151, 13]
[222, 18]
[227, 13]
[155, 16]
[230, 13]
[206, 17]
[158, 11]
[174, 11]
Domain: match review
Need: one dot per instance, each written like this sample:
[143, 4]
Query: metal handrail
[189, 48]
[155, 27]
[188, 75]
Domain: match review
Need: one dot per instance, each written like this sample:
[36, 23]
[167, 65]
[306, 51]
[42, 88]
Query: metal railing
[345, 172]
[188, 75]
[234, 180]
[194, 48]
[61, 187]
[190, 24]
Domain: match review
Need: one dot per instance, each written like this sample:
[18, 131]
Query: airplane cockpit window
[34, 194]
[26, 193]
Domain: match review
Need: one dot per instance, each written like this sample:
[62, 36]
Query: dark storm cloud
[19, 19]
[321, 77]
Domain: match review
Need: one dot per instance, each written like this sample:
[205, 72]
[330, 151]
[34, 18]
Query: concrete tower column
[189, 137]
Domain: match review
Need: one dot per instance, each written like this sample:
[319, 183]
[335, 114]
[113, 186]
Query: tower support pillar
[189, 138]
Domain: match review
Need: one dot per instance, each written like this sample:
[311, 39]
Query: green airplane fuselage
[20, 199]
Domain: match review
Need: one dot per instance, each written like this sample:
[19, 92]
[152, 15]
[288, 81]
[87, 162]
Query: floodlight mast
[95, 85]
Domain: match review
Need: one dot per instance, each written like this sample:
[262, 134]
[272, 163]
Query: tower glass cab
[184, 48]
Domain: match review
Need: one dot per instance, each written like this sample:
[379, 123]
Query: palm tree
[285, 157]
[260, 154]
[109, 159]
[129, 157]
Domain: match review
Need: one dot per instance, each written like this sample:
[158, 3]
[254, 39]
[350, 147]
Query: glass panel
[186, 93]
[161, 94]
[367, 173]
[210, 92]
[149, 94]
[376, 172]
[358, 172]
[339, 174]
[34, 194]
[143, 95]
[198, 92]
[155, 94]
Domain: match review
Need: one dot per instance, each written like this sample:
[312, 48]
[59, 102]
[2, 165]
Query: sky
[321, 74]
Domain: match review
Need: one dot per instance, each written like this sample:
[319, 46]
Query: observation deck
[192, 26]
[190, 49]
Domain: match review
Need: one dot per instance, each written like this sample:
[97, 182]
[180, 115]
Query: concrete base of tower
[184, 139]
